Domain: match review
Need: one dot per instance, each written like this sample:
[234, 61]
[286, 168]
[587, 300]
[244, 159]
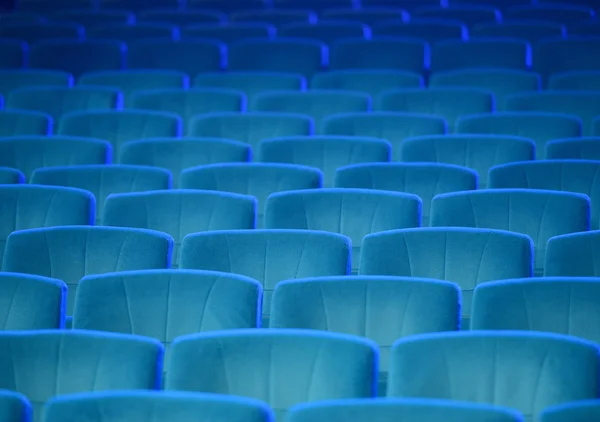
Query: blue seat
[501, 82]
[59, 101]
[537, 126]
[127, 33]
[561, 175]
[28, 206]
[365, 15]
[252, 83]
[447, 103]
[73, 252]
[531, 31]
[129, 81]
[391, 126]
[573, 255]
[575, 81]
[583, 104]
[275, 17]
[30, 302]
[564, 14]
[302, 366]
[252, 127]
[355, 213]
[33, 32]
[380, 308]
[182, 17]
[191, 56]
[77, 57]
[561, 305]
[326, 31]
[481, 366]
[465, 256]
[90, 17]
[13, 54]
[118, 127]
[180, 212]
[422, 179]
[400, 410]
[386, 53]
[21, 16]
[12, 79]
[468, 14]
[539, 214]
[43, 364]
[372, 82]
[23, 122]
[11, 176]
[581, 411]
[574, 148]
[480, 53]
[141, 406]
[228, 32]
[14, 407]
[166, 304]
[430, 30]
[305, 57]
[103, 180]
[178, 154]
[268, 256]
[28, 153]
[478, 152]
[318, 104]
[327, 153]
[188, 103]
[255, 179]
[564, 55]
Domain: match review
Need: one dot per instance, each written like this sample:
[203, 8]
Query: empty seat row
[283, 368]
[306, 57]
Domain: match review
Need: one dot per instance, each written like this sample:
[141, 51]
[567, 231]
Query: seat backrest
[465, 256]
[394, 127]
[178, 154]
[285, 55]
[327, 153]
[310, 366]
[28, 153]
[255, 179]
[166, 304]
[400, 410]
[574, 148]
[478, 152]
[573, 255]
[537, 126]
[539, 214]
[483, 366]
[252, 83]
[441, 102]
[12, 79]
[578, 176]
[11, 176]
[103, 180]
[318, 104]
[30, 302]
[583, 104]
[14, 407]
[31, 206]
[70, 359]
[70, 253]
[562, 305]
[121, 126]
[584, 411]
[141, 406]
[268, 256]
[191, 56]
[181, 212]
[425, 180]
[372, 82]
[25, 123]
[352, 212]
[252, 127]
[77, 57]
